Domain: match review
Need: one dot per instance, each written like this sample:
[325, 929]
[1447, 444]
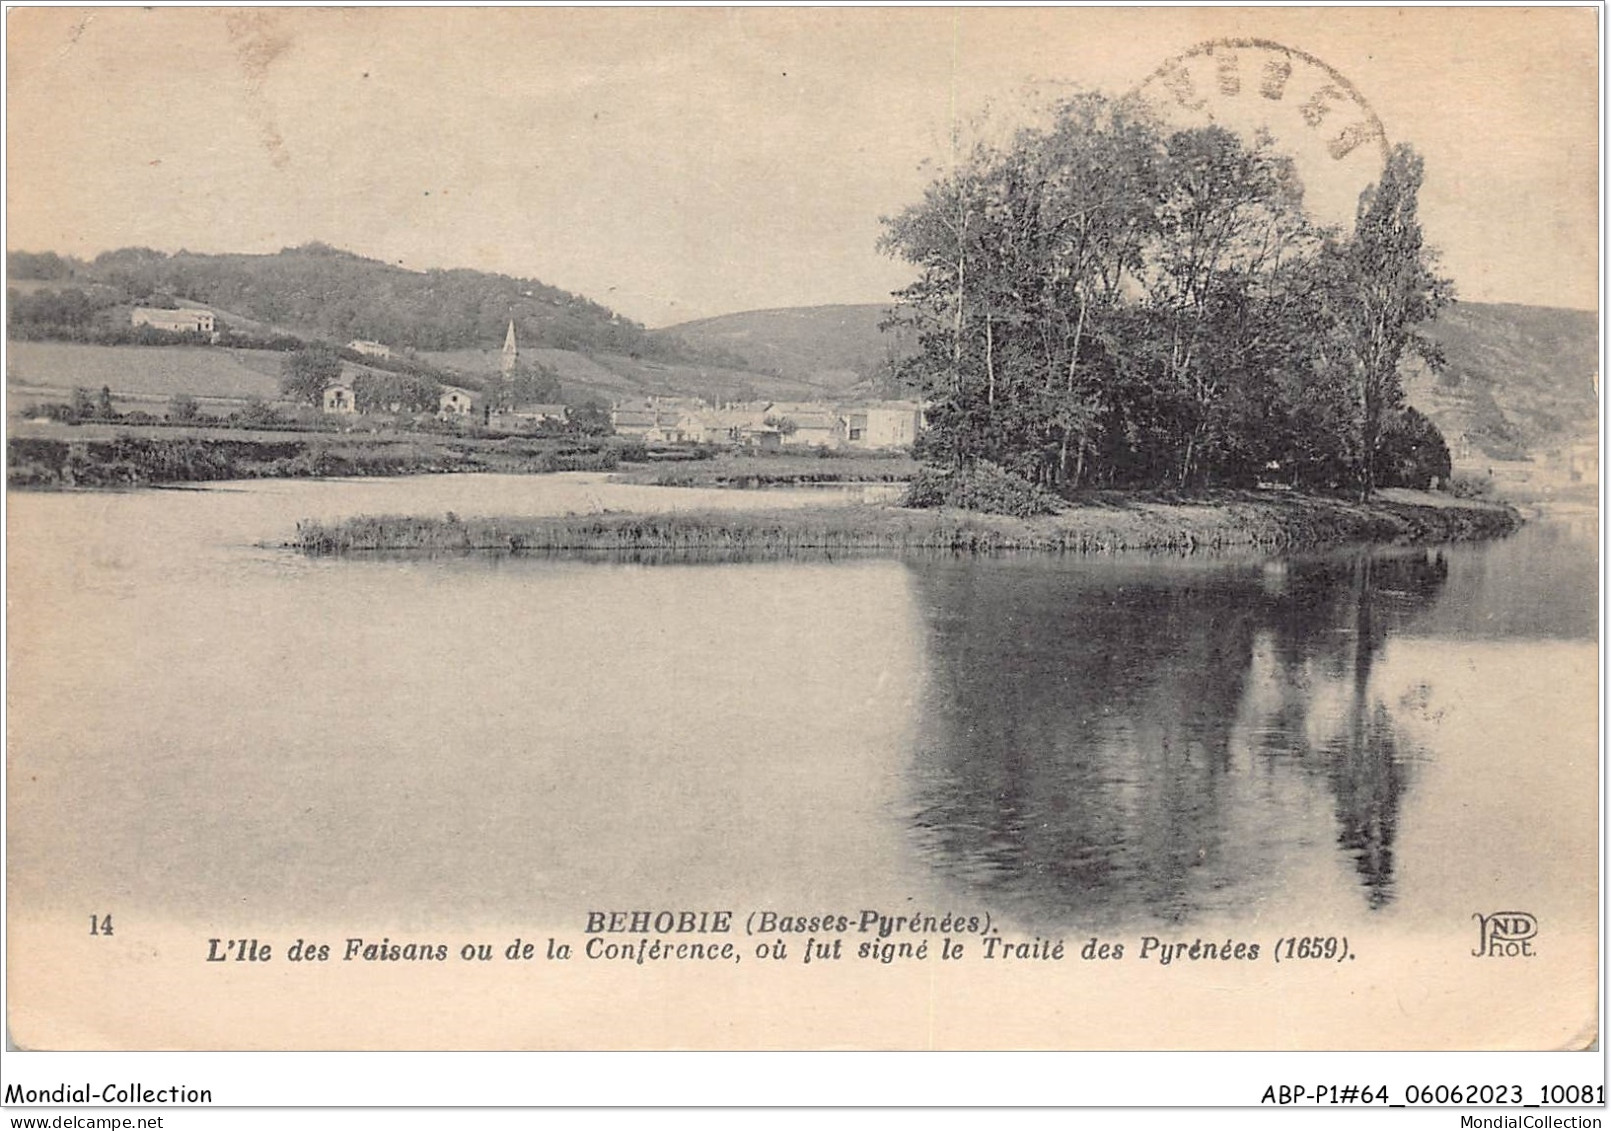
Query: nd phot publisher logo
[1505, 934]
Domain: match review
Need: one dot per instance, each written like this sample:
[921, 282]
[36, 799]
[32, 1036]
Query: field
[40, 370]
[143, 377]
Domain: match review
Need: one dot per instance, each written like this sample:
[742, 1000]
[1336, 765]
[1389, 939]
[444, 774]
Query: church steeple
[511, 352]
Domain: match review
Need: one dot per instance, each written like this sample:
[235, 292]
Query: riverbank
[1218, 520]
[127, 460]
[109, 456]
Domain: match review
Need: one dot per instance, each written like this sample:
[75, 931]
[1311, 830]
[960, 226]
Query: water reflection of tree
[1080, 756]
[1366, 760]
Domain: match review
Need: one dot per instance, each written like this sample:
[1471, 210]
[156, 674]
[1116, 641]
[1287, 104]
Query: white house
[892, 424]
[368, 348]
[338, 398]
[455, 403]
[178, 321]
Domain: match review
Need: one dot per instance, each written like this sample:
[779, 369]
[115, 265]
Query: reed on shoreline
[1226, 520]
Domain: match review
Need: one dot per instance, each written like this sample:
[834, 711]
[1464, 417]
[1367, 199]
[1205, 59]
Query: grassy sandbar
[1109, 523]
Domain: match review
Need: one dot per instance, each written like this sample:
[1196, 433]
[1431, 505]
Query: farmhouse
[178, 321]
[338, 398]
[368, 348]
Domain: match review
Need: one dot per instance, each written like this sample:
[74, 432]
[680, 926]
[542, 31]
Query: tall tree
[941, 237]
[305, 373]
[1231, 218]
[1022, 247]
[527, 383]
[1385, 285]
[396, 392]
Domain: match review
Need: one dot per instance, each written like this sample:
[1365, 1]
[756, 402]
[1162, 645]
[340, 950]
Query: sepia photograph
[882, 529]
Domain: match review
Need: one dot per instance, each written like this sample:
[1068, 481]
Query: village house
[687, 426]
[630, 420]
[185, 321]
[736, 424]
[663, 420]
[805, 424]
[771, 424]
[338, 398]
[455, 403]
[526, 417]
[368, 348]
[891, 424]
[767, 437]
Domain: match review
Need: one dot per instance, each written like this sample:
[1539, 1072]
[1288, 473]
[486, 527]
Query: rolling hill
[832, 347]
[317, 291]
[1519, 380]
[74, 317]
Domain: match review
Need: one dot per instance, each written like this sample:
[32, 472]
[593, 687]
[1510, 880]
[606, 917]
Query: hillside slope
[40, 372]
[1520, 380]
[834, 347]
[612, 376]
[455, 319]
[317, 291]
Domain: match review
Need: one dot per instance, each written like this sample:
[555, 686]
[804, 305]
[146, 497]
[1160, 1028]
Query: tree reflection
[1106, 741]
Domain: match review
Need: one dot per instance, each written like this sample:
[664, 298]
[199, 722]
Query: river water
[210, 728]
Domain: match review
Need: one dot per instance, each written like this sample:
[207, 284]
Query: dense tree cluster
[305, 374]
[527, 383]
[406, 387]
[1102, 301]
[396, 392]
[46, 265]
[329, 294]
[70, 307]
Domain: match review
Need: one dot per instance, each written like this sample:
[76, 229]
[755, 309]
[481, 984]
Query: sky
[679, 163]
